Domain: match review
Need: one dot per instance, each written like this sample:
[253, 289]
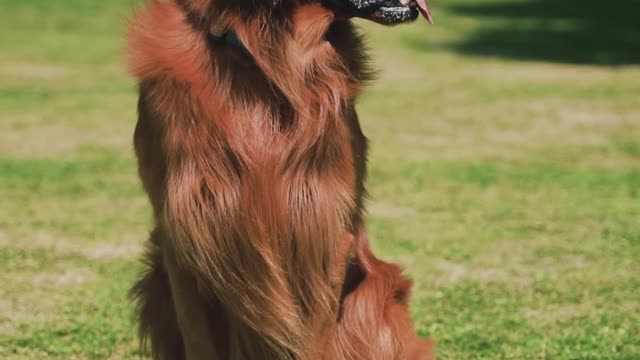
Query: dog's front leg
[191, 310]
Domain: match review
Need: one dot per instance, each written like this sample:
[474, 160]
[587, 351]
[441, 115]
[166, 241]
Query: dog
[250, 150]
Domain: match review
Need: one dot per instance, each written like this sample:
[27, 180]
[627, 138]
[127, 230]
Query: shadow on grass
[567, 31]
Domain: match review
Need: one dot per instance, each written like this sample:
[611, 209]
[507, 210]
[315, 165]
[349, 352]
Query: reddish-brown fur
[254, 163]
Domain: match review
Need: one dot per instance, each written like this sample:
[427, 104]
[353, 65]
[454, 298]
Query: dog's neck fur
[297, 42]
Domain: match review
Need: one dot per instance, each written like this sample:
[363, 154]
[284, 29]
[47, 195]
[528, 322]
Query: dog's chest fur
[270, 144]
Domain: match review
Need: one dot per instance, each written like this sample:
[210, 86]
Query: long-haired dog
[252, 155]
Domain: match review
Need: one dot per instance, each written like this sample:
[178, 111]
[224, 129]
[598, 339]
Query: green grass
[505, 178]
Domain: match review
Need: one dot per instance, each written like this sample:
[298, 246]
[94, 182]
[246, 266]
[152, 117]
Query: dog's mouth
[386, 12]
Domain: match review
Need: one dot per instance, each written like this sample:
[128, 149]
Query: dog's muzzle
[386, 12]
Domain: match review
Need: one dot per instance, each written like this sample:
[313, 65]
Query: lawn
[504, 177]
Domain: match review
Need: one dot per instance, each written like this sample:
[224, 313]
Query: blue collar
[199, 22]
[228, 38]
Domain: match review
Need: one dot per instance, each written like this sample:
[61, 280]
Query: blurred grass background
[504, 176]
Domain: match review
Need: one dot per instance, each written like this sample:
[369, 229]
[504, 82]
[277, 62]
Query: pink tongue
[424, 9]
